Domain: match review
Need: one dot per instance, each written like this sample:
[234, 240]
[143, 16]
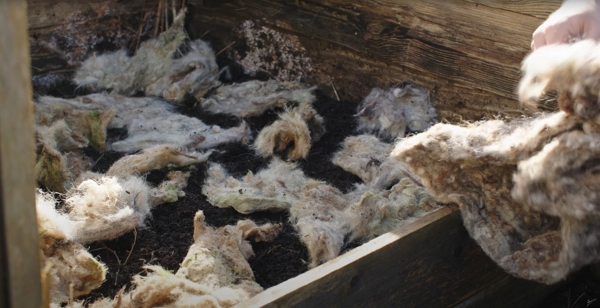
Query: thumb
[592, 31]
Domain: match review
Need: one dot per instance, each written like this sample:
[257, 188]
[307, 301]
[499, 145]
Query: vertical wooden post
[19, 247]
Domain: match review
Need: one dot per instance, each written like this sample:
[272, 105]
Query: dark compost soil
[167, 236]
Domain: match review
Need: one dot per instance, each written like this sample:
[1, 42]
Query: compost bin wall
[467, 53]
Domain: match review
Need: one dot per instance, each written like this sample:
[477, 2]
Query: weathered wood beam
[19, 247]
[537, 8]
[467, 53]
[403, 268]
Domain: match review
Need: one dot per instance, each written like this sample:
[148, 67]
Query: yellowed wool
[214, 273]
[106, 207]
[274, 188]
[368, 158]
[155, 158]
[390, 113]
[170, 190]
[126, 75]
[293, 129]
[195, 73]
[72, 267]
[253, 98]
[526, 188]
[378, 212]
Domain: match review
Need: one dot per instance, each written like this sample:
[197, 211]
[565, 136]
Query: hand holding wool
[575, 19]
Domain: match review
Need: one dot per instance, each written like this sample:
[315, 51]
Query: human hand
[575, 19]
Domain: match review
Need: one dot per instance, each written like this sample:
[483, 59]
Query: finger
[539, 39]
[592, 31]
[559, 34]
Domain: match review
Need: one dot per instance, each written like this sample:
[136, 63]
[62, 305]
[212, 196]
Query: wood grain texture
[462, 50]
[19, 235]
[431, 262]
[468, 52]
[509, 292]
[537, 8]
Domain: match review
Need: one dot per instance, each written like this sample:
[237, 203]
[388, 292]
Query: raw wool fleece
[171, 190]
[195, 74]
[214, 273]
[55, 170]
[127, 108]
[570, 69]
[381, 211]
[149, 122]
[474, 166]
[60, 134]
[316, 209]
[322, 214]
[389, 113]
[103, 207]
[253, 98]
[369, 158]
[321, 220]
[155, 158]
[275, 188]
[65, 263]
[152, 69]
[180, 130]
[299, 126]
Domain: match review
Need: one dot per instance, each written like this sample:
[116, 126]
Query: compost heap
[528, 188]
[78, 207]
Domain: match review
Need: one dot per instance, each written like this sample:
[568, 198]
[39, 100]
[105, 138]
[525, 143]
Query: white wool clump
[195, 73]
[180, 130]
[127, 108]
[316, 208]
[298, 127]
[153, 69]
[71, 267]
[105, 208]
[214, 273]
[379, 212]
[63, 261]
[322, 214]
[274, 188]
[71, 128]
[562, 67]
[253, 98]
[53, 169]
[52, 223]
[99, 208]
[391, 112]
[60, 134]
[150, 122]
[369, 158]
[155, 158]
[170, 190]
[527, 188]
[321, 221]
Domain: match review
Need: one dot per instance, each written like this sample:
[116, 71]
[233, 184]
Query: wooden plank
[468, 55]
[431, 262]
[20, 266]
[460, 35]
[537, 8]
[509, 292]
